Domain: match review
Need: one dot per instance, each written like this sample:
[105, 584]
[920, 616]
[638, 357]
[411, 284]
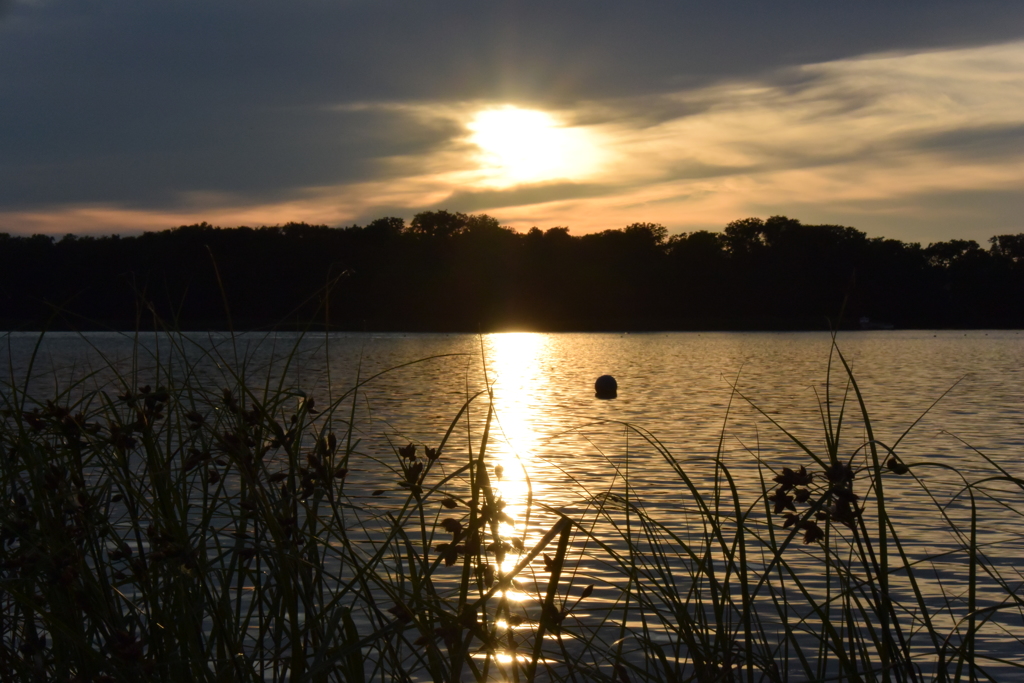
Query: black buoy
[606, 387]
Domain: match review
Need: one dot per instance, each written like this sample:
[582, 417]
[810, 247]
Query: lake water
[699, 394]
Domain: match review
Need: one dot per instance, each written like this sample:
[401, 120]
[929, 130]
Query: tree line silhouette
[448, 271]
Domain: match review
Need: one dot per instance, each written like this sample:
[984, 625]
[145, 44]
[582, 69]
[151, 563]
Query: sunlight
[514, 361]
[529, 146]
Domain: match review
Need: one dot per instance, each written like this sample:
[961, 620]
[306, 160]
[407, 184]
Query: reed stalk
[160, 526]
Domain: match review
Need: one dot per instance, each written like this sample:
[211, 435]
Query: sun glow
[515, 362]
[528, 146]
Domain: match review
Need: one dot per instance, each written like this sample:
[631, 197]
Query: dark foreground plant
[175, 530]
[817, 570]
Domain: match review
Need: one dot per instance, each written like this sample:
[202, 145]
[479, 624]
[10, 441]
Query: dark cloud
[471, 201]
[980, 144]
[260, 153]
[305, 51]
[136, 103]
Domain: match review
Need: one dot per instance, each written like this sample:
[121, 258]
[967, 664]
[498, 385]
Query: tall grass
[166, 528]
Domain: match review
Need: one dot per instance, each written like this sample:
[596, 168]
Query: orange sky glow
[846, 141]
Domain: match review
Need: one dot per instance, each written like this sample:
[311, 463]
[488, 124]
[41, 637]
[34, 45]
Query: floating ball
[606, 387]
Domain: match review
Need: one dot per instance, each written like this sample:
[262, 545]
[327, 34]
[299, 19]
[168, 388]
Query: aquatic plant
[170, 527]
[815, 578]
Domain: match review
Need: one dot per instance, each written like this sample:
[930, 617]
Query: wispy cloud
[878, 138]
[880, 142]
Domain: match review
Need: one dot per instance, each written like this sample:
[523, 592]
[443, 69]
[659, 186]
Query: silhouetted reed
[173, 530]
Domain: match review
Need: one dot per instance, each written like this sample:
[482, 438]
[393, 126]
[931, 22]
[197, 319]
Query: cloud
[267, 153]
[895, 134]
[153, 114]
[881, 138]
[477, 201]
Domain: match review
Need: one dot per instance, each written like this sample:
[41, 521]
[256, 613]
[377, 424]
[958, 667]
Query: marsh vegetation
[172, 525]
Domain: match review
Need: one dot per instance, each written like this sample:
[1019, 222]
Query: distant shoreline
[313, 329]
[449, 272]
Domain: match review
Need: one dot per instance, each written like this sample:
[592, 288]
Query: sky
[902, 119]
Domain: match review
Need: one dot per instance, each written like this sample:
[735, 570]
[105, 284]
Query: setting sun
[529, 146]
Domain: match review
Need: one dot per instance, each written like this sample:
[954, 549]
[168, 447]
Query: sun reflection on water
[514, 362]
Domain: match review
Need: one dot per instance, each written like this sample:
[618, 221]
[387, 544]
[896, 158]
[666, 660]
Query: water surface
[702, 396]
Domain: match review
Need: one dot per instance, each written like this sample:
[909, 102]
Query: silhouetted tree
[456, 271]
[438, 224]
